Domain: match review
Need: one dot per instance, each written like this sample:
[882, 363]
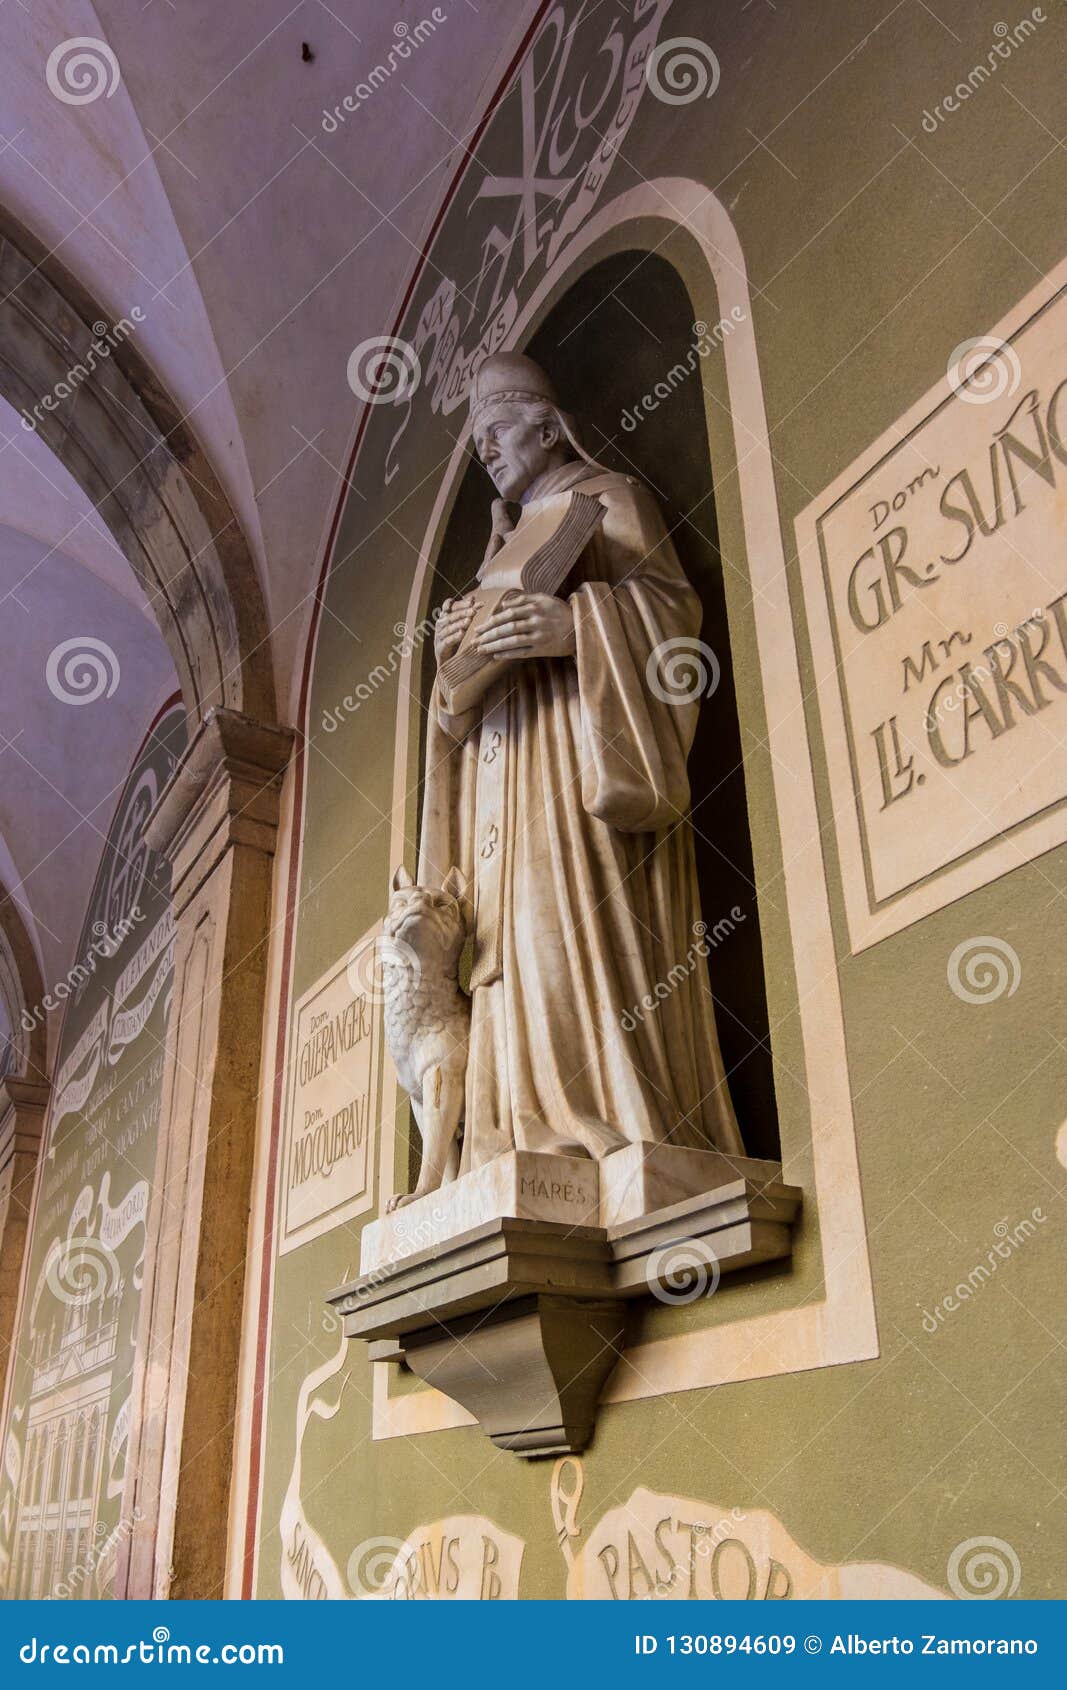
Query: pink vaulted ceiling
[260, 249]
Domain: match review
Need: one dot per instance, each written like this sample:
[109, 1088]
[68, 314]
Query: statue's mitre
[509, 375]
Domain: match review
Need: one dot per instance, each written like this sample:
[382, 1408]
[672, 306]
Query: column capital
[223, 792]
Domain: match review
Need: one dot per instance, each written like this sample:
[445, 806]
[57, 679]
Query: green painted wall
[873, 248]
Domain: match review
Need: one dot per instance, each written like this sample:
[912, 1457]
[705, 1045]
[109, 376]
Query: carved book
[536, 558]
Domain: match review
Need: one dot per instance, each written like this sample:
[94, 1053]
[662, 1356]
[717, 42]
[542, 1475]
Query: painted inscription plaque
[935, 578]
[327, 1171]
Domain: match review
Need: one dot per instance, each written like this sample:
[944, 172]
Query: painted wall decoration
[574, 127]
[680, 1549]
[466, 1558]
[68, 1415]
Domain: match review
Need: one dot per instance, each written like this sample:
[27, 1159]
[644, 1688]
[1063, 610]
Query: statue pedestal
[508, 1289]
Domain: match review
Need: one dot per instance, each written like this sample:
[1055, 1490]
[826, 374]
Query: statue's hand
[530, 625]
[451, 626]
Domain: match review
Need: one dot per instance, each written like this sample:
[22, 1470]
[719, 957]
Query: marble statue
[556, 779]
[427, 1017]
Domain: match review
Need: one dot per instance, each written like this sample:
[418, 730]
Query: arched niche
[611, 337]
[115, 428]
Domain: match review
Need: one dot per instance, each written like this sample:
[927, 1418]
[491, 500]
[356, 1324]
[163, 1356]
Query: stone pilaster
[22, 1113]
[216, 821]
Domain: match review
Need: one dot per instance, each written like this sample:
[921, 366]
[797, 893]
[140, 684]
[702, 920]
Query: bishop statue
[556, 783]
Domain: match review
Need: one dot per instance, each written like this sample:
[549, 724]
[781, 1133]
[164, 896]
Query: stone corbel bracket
[521, 1318]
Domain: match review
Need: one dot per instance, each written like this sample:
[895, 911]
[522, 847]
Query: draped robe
[563, 797]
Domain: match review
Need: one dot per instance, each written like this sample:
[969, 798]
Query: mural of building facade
[68, 1407]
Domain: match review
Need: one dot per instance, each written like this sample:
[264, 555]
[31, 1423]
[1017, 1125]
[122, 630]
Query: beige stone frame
[841, 1327]
[871, 920]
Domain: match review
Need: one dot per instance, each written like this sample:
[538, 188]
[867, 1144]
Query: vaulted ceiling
[258, 248]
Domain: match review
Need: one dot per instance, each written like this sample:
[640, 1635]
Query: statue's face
[515, 450]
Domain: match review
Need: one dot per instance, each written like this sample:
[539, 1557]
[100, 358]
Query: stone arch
[80, 382]
[22, 992]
